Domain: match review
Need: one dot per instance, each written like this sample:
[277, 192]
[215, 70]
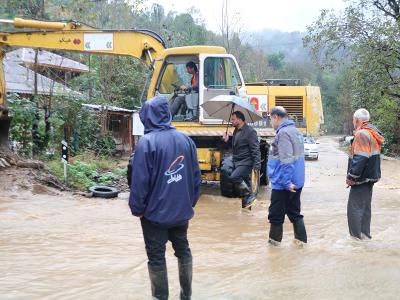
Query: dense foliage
[363, 42]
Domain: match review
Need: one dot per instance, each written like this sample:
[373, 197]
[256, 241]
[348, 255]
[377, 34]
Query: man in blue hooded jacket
[165, 187]
[285, 170]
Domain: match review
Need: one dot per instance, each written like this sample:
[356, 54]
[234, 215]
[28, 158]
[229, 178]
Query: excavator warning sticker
[259, 102]
[98, 41]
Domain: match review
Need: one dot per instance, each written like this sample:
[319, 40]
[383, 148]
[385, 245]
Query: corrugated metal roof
[22, 80]
[107, 107]
[45, 59]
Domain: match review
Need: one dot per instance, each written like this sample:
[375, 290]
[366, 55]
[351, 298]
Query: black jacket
[246, 148]
[166, 177]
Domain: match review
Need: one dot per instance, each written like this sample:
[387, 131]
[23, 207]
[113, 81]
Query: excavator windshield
[176, 83]
[174, 73]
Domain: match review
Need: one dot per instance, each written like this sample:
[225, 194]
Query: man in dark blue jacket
[165, 187]
[285, 170]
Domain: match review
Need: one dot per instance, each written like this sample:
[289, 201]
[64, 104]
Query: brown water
[55, 245]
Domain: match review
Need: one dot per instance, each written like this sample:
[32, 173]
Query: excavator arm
[73, 36]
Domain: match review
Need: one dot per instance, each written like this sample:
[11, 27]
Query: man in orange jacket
[364, 169]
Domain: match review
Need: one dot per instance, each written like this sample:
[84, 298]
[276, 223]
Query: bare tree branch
[394, 11]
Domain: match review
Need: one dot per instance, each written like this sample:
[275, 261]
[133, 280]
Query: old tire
[227, 188]
[104, 191]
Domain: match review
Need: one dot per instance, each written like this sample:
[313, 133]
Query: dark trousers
[359, 209]
[156, 238]
[241, 173]
[284, 202]
[177, 104]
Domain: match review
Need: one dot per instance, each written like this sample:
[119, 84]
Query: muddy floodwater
[55, 245]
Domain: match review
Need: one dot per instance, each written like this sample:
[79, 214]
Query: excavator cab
[219, 74]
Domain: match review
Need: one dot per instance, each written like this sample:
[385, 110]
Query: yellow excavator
[218, 74]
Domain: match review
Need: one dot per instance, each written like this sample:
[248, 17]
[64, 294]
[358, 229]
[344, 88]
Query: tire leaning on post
[104, 191]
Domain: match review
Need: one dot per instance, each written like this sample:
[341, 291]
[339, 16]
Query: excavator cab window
[221, 77]
[184, 103]
[220, 73]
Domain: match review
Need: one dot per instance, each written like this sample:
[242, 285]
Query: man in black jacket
[246, 156]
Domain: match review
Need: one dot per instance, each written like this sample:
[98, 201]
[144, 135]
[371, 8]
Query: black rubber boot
[365, 236]
[185, 266]
[248, 199]
[159, 282]
[275, 234]
[300, 231]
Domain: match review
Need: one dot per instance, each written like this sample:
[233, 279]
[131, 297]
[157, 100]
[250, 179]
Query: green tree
[23, 113]
[366, 37]
[27, 8]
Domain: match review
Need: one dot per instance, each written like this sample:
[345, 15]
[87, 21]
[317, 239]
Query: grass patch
[84, 171]
[101, 162]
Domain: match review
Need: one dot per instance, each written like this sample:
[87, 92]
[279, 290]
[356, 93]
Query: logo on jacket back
[173, 170]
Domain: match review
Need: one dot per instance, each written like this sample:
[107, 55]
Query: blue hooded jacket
[286, 158]
[166, 176]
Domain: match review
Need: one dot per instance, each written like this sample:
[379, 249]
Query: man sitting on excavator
[191, 94]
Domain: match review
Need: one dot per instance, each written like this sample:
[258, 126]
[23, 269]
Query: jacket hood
[375, 133]
[155, 115]
[284, 124]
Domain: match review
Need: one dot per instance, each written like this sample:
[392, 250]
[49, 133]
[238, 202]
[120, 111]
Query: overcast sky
[285, 15]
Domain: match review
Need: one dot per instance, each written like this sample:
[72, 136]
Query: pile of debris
[9, 158]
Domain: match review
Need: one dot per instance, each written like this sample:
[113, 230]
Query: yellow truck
[219, 74]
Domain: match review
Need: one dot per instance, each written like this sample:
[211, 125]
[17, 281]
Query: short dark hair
[239, 115]
[192, 65]
[278, 111]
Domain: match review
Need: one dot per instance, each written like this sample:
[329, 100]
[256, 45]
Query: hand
[225, 137]
[292, 188]
[350, 182]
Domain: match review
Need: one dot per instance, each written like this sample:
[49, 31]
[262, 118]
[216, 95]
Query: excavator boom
[74, 36]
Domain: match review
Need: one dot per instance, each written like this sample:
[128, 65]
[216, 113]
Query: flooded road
[55, 245]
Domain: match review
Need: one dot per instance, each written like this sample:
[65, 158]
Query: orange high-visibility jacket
[364, 157]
